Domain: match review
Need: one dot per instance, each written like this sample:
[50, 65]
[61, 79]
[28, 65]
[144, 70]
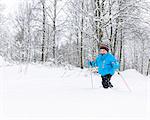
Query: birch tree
[43, 40]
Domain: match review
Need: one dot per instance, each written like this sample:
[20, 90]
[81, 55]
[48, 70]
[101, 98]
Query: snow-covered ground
[35, 92]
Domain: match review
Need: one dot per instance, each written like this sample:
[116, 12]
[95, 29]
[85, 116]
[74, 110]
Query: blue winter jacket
[107, 64]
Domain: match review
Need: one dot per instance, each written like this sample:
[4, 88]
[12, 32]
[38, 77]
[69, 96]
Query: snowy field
[35, 92]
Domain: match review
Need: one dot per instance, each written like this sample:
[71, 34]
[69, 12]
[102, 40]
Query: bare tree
[81, 54]
[54, 30]
[43, 41]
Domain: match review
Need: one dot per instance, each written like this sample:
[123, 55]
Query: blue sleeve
[93, 63]
[89, 63]
[96, 62]
[115, 63]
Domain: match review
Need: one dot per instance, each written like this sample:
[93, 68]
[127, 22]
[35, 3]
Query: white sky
[10, 5]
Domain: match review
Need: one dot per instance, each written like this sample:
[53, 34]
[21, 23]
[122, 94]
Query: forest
[67, 32]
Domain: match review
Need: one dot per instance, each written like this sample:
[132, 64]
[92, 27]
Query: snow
[1, 61]
[36, 92]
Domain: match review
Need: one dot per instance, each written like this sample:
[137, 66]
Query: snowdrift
[43, 93]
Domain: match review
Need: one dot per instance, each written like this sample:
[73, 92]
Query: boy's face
[103, 51]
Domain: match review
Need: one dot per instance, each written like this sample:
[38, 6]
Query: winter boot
[105, 83]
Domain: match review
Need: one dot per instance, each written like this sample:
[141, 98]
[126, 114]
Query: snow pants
[106, 81]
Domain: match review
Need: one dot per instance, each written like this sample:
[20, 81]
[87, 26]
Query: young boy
[107, 64]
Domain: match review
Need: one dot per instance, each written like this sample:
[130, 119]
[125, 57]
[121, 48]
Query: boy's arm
[95, 67]
[96, 62]
[115, 63]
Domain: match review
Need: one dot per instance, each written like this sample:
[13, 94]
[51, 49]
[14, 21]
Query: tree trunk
[54, 31]
[81, 51]
[29, 33]
[113, 49]
[148, 68]
[99, 7]
[43, 41]
[111, 28]
[47, 45]
[78, 54]
[121, 51]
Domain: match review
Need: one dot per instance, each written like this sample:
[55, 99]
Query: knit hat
[104, 46]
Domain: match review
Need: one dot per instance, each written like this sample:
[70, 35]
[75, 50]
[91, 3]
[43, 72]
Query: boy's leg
[106, 81]
[109, 83]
